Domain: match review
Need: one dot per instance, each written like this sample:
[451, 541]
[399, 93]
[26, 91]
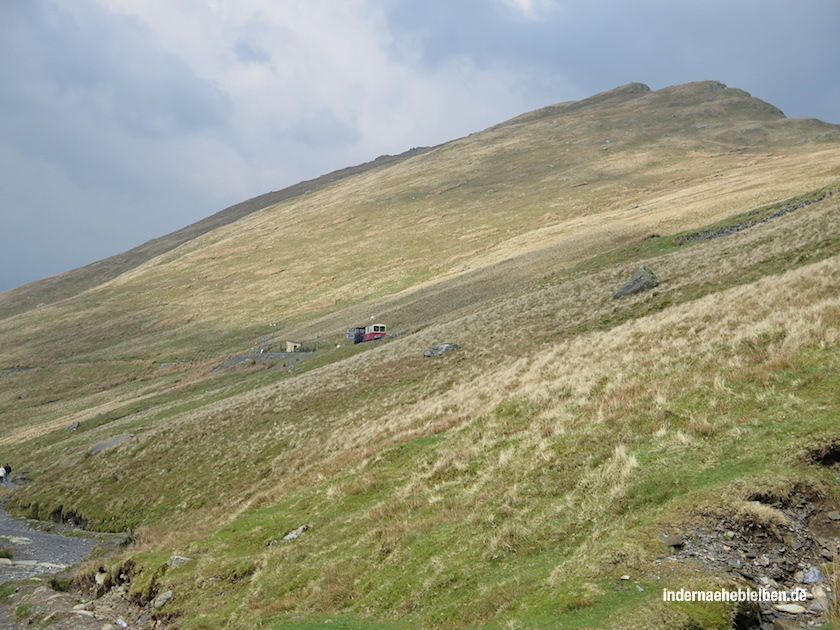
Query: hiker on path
[8, 476]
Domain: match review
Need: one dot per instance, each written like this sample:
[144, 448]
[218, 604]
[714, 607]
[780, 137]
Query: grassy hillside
[509, 484]
[42, 292]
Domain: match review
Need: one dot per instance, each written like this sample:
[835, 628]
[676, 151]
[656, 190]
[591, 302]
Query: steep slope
[508, 484]
[56, 288]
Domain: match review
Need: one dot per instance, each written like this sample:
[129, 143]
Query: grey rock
[74, 426]
[177, 561]
[834, 516]
[85, 613]
[820, 605]
[643, 280]
[674, 540]
[296, 533]
[162, 599]
[439, 349]
[812, 576]
[821, 602]
[793, 609]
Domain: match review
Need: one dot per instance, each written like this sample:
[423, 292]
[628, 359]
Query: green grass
[22, 612]
[6, 590]
[659, 245]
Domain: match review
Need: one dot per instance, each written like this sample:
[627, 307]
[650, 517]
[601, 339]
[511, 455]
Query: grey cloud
[90, 113]
[89, 74]
[763, 47]
[250, 53]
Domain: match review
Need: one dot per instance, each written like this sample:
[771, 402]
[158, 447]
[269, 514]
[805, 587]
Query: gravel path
[39, 547]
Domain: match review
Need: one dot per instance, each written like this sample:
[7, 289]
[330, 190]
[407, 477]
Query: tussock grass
[752, 515]
[642, 365]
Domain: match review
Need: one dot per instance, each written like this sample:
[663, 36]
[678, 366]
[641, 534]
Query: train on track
[361, 334]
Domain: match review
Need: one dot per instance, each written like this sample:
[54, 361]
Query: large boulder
[162, 599]
[643, 280]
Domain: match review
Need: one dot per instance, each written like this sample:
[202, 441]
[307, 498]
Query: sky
[124, 120]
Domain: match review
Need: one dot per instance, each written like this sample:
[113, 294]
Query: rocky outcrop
[778, 546]
[718, 232]
[117, 439]
[296, 533]
[441, 348]
[162, 599]
[177, 561]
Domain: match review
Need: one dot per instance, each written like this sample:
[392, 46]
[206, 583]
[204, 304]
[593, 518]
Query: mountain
[512, 482]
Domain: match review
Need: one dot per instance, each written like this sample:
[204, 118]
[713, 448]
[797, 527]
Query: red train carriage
[368, 333]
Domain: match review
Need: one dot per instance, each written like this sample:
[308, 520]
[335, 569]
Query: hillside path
[41, 548]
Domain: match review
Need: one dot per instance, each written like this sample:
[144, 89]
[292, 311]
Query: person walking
[8, 476]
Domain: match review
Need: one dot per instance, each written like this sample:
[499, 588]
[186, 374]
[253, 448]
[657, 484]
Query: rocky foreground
[34, 576]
